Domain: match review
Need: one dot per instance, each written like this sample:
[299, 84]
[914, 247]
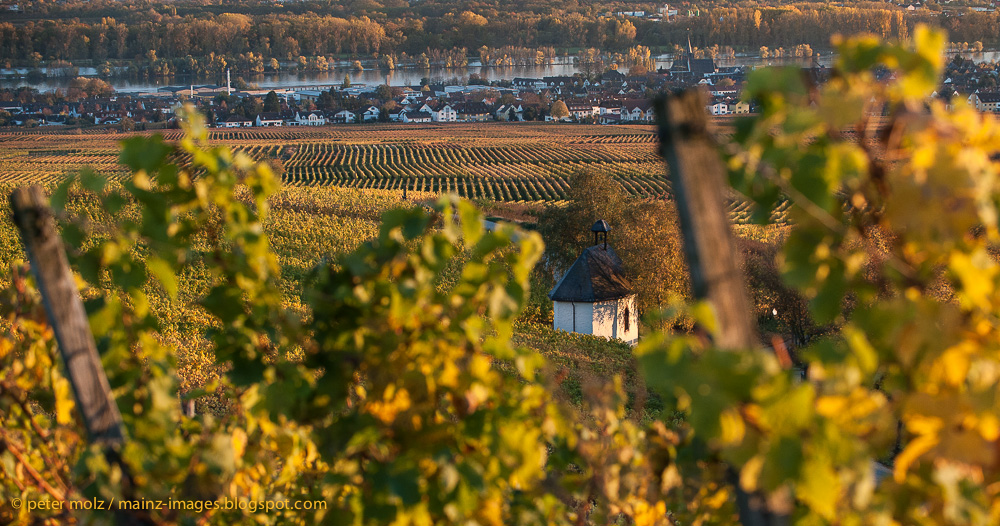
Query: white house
[474, 112]
[510, 112]
[640, 110]
[312, 118]
[233, 122]
[594, 297]
[583, 111]
[344, 116]
[718, 108]
[416, 116]
[666, 12]
[520, 82]
[445, 114]
[612, 108]
[269, 119]
[371, 114]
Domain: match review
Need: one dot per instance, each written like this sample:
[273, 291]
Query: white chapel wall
[632, 335]
[605, 316]
[563, 317]
[609, 319]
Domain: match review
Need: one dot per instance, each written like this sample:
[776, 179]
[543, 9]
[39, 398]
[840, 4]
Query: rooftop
[595, 276]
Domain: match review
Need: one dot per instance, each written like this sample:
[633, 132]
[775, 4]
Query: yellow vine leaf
[908, 456]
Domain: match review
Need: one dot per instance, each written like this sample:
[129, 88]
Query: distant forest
[202, 36]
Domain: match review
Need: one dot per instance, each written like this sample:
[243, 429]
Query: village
[611, 98]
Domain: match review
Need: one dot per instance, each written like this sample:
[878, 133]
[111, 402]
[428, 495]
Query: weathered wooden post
[66, 314]
[71, 327]
[697, 177]
[698, 181]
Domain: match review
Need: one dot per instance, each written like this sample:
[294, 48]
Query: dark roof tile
[595, 276]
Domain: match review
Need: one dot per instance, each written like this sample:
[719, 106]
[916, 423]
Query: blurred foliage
[778, 308]
[894, 212]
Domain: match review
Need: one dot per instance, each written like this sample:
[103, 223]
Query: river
[563, 66]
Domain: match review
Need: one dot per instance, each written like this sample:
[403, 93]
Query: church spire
[690, 50]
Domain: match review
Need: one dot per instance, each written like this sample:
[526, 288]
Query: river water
[563, 66]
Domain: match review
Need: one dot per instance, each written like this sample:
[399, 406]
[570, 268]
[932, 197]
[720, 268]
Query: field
[527, 162]
[498, 161]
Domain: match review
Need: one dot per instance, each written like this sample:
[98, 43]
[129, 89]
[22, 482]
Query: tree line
[260, 39]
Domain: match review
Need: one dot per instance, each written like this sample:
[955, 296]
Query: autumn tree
[621, 33]
[778, 307]
[250, 107]
[325, 101]
[366, 28]
[558, 110]
[126, 125]
[82, 87]
[271, 102]
[590, 62]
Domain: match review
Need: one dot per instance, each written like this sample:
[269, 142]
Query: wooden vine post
[66, 314]
[698, 182]
[71, 328]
